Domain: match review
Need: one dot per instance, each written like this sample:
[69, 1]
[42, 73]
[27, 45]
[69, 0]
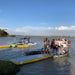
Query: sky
[38, 17]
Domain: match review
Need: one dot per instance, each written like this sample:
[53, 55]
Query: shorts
[64, 45]
[48, 47]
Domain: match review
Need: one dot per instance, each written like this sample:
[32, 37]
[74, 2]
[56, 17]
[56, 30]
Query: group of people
[59, 46]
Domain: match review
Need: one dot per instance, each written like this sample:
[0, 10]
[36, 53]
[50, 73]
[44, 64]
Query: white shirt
[59, 43]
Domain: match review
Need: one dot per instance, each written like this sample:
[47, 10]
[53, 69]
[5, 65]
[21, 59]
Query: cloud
[62, 30]
[65, 28]
[30, 30]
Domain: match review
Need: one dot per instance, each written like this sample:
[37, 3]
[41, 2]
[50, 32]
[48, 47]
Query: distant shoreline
[37, 36]
[45, 36]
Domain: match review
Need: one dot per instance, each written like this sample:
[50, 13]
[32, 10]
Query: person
[59, 46]
[69, 45]
[48, 47]
[56, 46]
[64, 45]
[45, 45]
[52, 45]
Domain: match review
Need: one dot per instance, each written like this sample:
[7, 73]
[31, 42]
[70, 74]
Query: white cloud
[65, 28]
[47, 30]
[29, 30]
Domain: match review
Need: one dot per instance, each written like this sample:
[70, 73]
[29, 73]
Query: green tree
[3, 32]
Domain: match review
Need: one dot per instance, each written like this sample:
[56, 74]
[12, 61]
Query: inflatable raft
[8, 46]
[5, 46]
[37, 56]
[30, 59]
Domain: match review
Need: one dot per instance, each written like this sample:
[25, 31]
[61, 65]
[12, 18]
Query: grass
[8, 68]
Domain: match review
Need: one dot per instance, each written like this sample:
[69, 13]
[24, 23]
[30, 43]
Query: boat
[32, 43]
[27, 41]
[23, 42]
[62, 55]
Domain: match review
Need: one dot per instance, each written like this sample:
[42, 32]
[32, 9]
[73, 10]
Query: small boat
[62, 55]
[23, 42]
[32, 43]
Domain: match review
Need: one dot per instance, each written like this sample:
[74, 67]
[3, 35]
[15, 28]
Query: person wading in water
[45, 45]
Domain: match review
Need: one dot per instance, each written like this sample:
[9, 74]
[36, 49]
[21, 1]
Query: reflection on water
[58, 66]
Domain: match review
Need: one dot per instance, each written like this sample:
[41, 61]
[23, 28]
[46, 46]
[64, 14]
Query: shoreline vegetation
[3, 33]
[8, 68]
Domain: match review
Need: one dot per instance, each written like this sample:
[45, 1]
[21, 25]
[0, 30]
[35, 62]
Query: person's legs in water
[48, 49]
[56, 49]
[45, 47]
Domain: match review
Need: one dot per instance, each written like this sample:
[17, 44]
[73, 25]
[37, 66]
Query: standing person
[48, 47]
[64, 45]
[53, 45]
[59, 46]
[69, 45]
[56, 46]
[45, 45]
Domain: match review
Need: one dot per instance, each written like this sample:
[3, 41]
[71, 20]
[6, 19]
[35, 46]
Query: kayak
[30, 59]
[62, 55]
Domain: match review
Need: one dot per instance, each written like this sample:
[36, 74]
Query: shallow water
[59, 66]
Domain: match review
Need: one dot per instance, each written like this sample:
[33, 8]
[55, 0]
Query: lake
[59, 66]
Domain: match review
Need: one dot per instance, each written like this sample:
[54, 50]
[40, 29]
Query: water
[59, 66]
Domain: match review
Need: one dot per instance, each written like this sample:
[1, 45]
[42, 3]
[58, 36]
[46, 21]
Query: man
[45, 45]
[59, 46]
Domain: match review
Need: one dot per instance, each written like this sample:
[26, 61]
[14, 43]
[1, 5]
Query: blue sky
[38, 17]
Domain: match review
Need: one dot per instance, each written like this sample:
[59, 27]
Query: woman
[48, 47]
[69, 45]
[45, 45]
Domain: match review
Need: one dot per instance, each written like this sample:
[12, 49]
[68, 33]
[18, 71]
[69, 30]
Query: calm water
[61, 66]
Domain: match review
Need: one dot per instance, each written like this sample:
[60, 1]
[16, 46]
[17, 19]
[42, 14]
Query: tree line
[3, 32]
